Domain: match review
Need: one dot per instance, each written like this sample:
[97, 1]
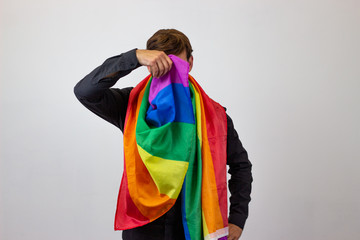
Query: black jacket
[95, 93]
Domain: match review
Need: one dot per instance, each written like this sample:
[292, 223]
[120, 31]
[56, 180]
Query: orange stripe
[216, 123]
[142, 189]
[210, 199]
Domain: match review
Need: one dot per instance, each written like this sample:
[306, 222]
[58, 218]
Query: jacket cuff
[131, 60]
[238, 219]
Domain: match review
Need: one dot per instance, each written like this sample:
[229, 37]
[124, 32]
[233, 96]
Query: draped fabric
[174, 143]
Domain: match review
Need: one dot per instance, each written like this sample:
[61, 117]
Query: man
[95, 93]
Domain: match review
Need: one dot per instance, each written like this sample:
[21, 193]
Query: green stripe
[193, 189]
[173, 141]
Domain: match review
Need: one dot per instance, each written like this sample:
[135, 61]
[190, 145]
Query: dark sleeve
[95, 93]
[241, 177]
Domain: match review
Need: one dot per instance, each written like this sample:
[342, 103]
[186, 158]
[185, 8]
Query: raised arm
[95, 93]
[94, 90]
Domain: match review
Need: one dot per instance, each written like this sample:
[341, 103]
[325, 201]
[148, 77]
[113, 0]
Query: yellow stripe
[205, 229]
[168, 175]
[198, 114]
[210, 199]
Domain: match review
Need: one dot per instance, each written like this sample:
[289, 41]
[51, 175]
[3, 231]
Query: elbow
[79, 91]
[85, 93]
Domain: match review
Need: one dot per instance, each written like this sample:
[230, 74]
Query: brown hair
[171, 41]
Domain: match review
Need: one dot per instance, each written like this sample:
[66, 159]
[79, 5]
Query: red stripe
[216, 125]
[127, 215]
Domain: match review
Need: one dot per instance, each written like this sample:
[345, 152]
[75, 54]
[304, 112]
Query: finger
[161, 68]
[169, 60]
[154, 70]
[166, 67]
[231, 237]
[168, 63]
[165, 63]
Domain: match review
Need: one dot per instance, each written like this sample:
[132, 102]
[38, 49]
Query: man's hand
[234, 232]
[157, 62]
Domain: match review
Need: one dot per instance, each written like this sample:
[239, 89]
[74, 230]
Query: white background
[288, 72]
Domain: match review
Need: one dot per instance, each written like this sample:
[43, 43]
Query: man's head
[171, 41]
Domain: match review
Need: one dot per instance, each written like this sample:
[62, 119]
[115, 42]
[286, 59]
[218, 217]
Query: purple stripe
[179, 73]
[223, 238]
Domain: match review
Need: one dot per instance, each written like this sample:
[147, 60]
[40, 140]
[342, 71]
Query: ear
[191, 61]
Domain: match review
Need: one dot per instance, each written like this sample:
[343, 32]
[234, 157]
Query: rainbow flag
[174, 143]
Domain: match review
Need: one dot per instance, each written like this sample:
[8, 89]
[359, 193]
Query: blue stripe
[171, 104]
[183, 212]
